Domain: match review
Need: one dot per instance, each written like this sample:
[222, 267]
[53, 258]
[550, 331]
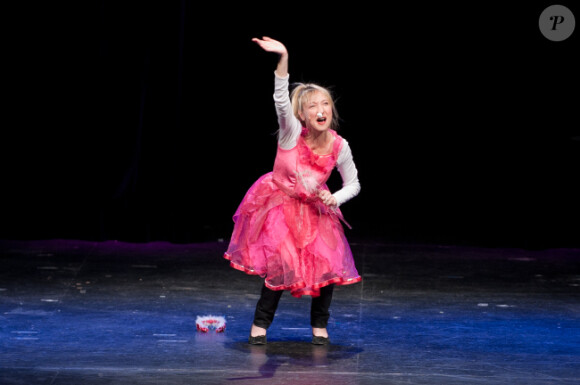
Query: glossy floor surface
[74, 312]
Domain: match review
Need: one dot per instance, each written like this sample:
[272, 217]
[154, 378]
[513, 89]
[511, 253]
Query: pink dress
[284, 233]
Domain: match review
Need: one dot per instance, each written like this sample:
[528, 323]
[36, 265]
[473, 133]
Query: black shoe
[316, 340]
[259, 340]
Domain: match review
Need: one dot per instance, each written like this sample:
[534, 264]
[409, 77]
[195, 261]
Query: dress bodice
[300, 172]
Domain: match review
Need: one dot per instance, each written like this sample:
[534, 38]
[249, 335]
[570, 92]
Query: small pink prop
[207, 322]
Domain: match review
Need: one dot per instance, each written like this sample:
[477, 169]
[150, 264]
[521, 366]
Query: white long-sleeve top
[290, 130]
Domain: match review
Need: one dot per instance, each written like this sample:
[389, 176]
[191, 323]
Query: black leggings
[268, 303]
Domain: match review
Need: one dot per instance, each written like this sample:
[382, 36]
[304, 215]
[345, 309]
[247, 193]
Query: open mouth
[321, 119]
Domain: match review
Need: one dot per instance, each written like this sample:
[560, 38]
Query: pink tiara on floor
[207, 322]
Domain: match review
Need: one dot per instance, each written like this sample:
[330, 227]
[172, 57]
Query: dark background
[142, 121]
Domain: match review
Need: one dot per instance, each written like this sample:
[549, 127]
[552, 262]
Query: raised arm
[290, 126]
[271, 45]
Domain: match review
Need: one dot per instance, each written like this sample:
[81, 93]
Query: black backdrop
[144, 121]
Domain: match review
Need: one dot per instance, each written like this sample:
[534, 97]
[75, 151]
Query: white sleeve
[348, 172]
[290, 126]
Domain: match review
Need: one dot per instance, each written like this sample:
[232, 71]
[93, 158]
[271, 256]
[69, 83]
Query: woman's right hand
[271, 45]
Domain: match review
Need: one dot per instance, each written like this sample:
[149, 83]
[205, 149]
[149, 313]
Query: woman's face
[317, 112]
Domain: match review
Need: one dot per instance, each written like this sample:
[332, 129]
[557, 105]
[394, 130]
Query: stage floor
[77, 312]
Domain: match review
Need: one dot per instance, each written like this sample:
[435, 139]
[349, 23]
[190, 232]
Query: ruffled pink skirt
[296, 244]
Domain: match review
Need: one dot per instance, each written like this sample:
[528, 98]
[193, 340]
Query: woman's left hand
[327, 198]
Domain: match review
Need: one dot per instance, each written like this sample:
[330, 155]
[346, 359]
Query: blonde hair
[301, 94]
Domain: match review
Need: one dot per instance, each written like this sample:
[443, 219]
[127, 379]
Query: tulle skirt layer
[296, 244]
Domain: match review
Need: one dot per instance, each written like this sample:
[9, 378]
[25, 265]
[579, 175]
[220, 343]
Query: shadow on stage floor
[77, 312]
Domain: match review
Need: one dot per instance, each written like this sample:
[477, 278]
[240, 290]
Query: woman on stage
[288, 226]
